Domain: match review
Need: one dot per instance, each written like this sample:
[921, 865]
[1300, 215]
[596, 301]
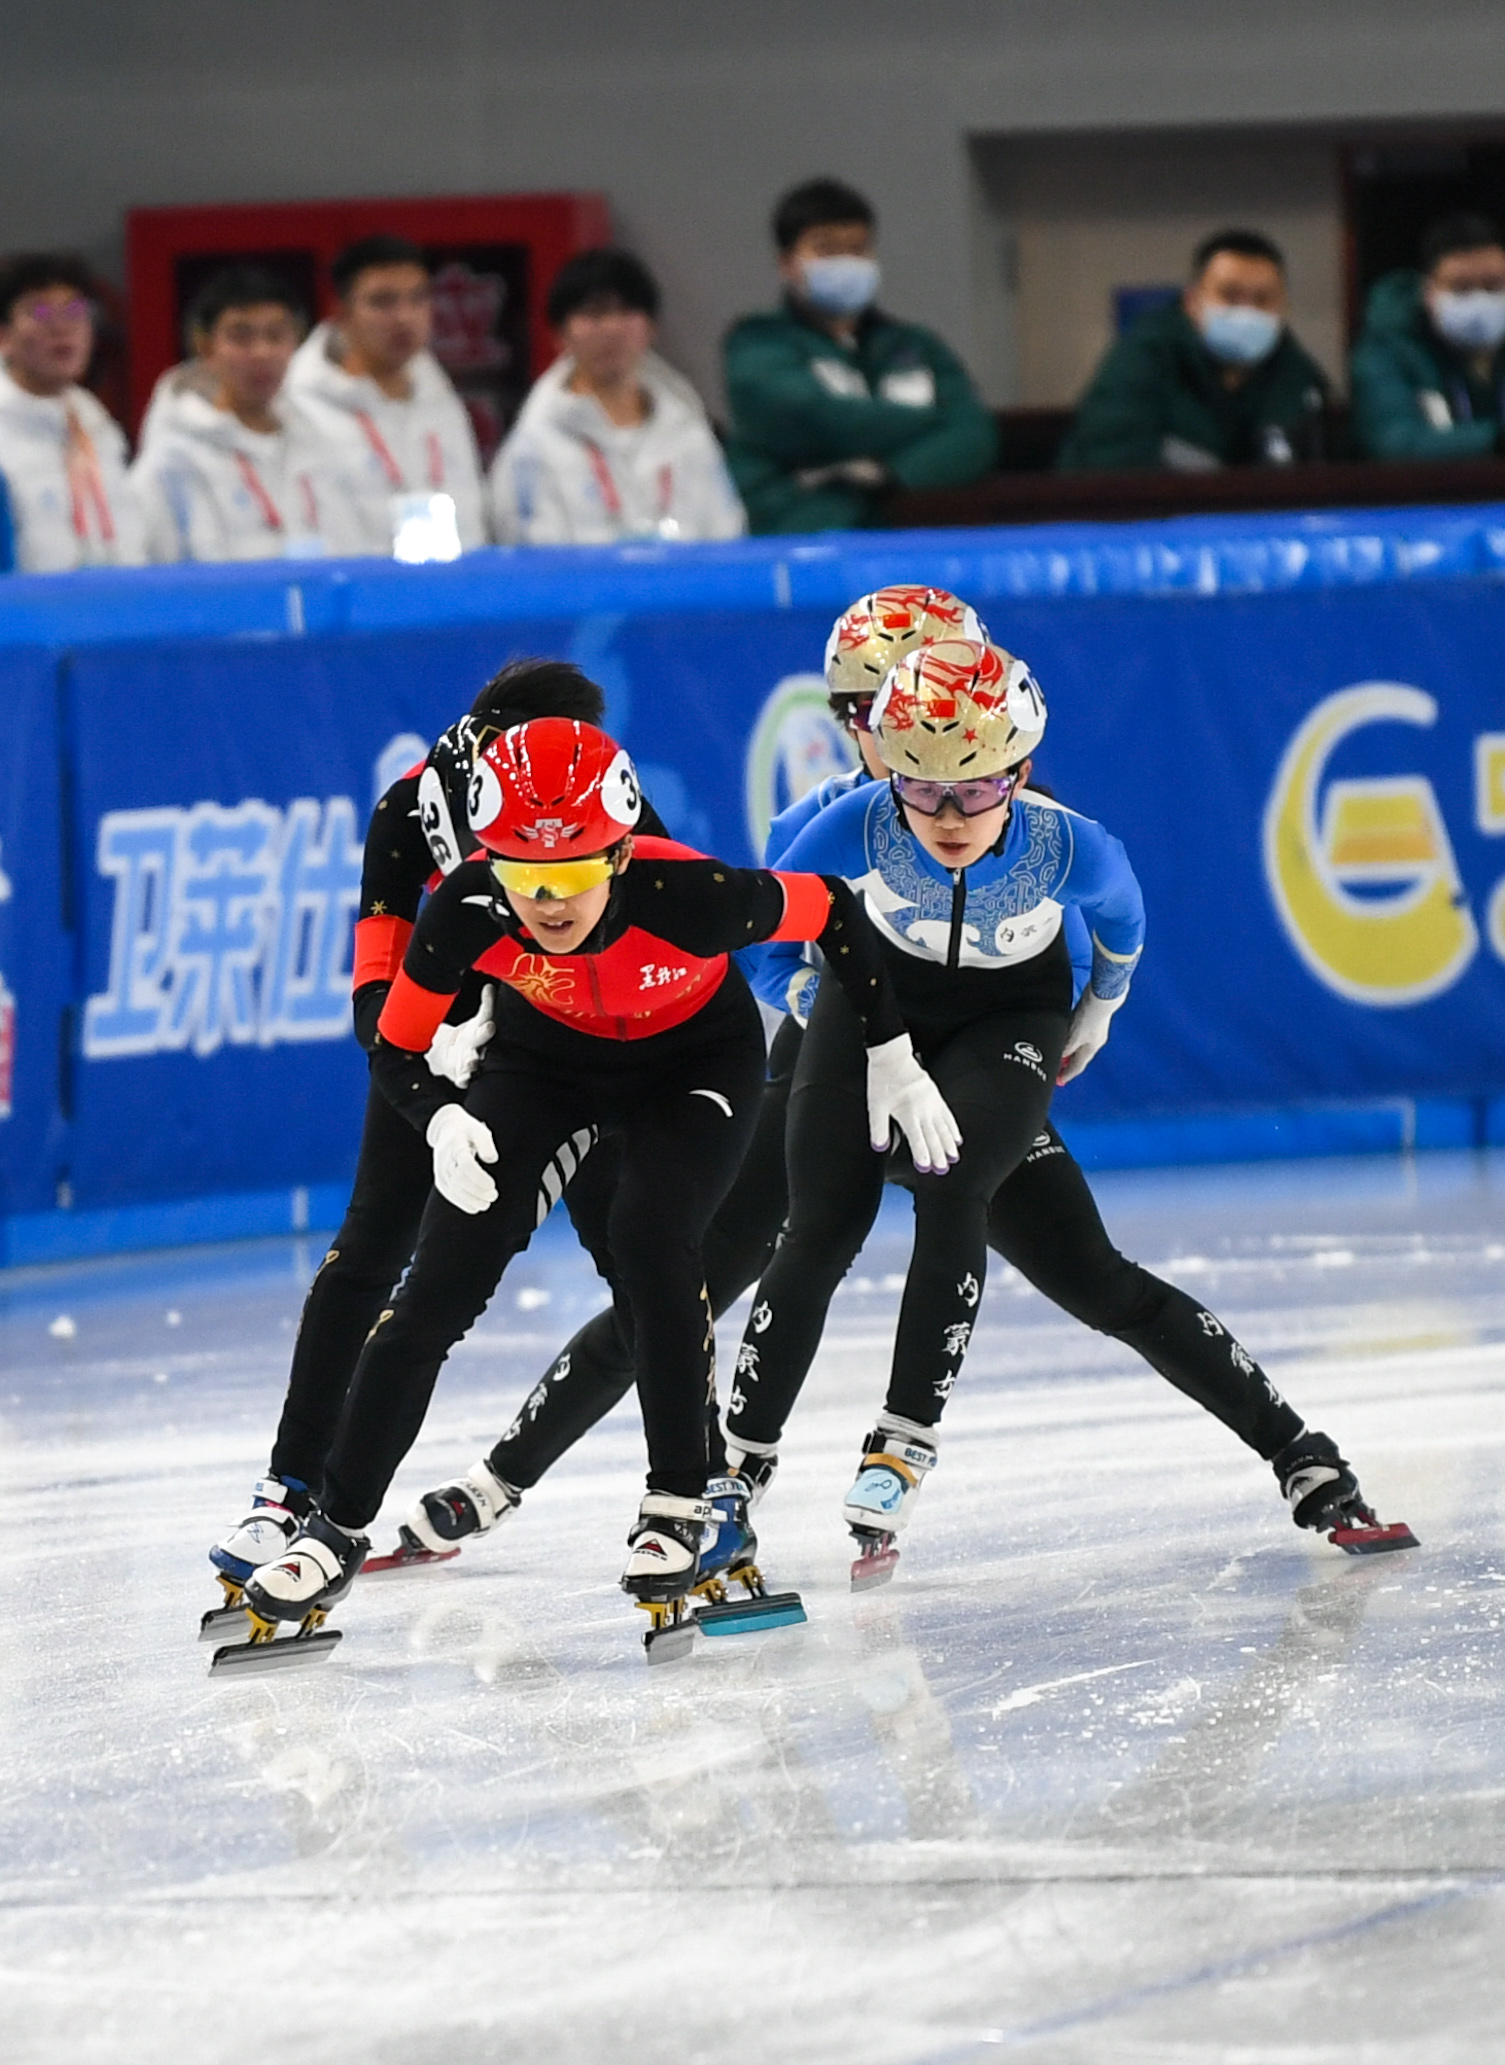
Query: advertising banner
[1309, 780]
[35, 960]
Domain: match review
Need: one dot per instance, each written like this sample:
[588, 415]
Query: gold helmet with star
[957, 708]
[884, 627]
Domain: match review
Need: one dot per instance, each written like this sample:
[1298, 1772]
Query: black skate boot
[664, 1566]
[313, 1574]
[1323, 1494]
[432, 1533]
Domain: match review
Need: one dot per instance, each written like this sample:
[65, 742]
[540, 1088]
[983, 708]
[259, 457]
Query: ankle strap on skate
[908, 1459]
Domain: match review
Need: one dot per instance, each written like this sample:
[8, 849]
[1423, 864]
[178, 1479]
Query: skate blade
[1373, 1541]
[870, 1571]
[240, 1659]
[668, 1644]
[220, 1621]
[405, 1558]
[743, 1616]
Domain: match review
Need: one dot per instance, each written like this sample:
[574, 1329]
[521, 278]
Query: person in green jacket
[832, 401]
[1214, 378]
[1428, 371]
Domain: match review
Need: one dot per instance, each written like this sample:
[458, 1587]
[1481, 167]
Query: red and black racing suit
[410, 840]
[648, 1035]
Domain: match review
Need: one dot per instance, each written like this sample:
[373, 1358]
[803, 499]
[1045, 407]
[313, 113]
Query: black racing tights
[682, 1110]
[353, 1283]
[357, 1277]
[996, 1071]
[1043, 1220]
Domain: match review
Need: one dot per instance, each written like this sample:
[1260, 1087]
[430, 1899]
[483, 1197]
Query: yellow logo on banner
[1489, 812]
[1413, 933]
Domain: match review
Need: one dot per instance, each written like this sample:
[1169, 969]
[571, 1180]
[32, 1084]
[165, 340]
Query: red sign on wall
[493, 258]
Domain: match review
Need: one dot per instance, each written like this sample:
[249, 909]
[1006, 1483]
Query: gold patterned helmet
[960, 707]
[884, 627]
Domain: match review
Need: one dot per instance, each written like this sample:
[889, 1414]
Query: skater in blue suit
[976, 884]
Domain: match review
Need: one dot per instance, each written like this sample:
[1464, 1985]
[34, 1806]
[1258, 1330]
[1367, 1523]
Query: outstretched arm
[708, 908]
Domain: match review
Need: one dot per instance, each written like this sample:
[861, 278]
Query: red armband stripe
[412, 1014]
[380, 944]
[807, 906]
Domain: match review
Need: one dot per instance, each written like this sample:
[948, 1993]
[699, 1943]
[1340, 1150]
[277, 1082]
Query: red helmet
[555, 789]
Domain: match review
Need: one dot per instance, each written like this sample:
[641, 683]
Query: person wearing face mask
[611, 443]
[1214, 378]
[231, 468]
[832, 400]
[1428, 371]
[62, 455]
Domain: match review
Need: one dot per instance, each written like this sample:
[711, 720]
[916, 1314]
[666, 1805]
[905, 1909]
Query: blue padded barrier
[1296, 723]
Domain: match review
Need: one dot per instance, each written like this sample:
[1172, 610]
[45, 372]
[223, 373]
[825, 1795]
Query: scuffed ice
[1120, 1767]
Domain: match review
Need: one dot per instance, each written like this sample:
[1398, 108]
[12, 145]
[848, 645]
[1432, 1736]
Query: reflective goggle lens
[552, 880]
[971, 798]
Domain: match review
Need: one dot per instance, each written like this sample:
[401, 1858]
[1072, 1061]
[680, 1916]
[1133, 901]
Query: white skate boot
[314, 1572]
[432, 1533]
[663, 1566]
[755, 1462]
[896, 1457]
[278, 1508]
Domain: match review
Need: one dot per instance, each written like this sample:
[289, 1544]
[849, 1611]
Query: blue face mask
[839, 286]
[1239, 336]
[1474, 320]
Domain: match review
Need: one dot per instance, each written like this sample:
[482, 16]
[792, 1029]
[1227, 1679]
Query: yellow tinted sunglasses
[551, 881]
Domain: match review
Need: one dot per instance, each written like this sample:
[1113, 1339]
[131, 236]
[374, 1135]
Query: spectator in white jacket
[369, 379]
[231, 467]
[62, 454]
[611, 443]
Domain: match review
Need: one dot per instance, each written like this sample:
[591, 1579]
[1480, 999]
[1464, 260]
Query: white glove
[1087, 1032]
[460, 1145]
[899, 1089]
[455, 1050]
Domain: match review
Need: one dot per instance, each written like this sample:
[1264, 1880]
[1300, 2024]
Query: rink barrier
[1295, 723]
[1197, 557]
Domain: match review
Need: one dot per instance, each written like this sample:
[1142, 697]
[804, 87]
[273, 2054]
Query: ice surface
[1120, 1767]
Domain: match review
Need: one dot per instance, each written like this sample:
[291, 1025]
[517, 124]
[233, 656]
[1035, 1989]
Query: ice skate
[728, 1557]
[663, 1568]
[278, 1508]
[895, 1459]
[432, 1533]
[756, 1465]
[1323, 1494]
[315, 1571]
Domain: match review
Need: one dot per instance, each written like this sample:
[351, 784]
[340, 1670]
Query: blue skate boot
[728, 1556]
[278, 1508]
[896, 1458]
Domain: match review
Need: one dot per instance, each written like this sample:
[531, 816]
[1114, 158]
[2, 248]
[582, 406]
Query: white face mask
[839, 286]
[1239, 336]
[1474, 321]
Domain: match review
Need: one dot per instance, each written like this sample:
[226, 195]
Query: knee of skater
[1134, 1305]
[366, 1258]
